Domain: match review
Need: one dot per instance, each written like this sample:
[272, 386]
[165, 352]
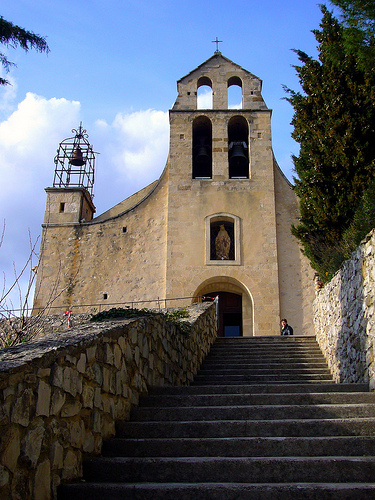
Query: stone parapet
[61, 395]
[344, 318]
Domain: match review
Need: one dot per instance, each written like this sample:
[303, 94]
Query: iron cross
[217, 41]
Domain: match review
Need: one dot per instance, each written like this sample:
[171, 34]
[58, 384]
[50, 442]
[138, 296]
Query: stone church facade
[217, 222]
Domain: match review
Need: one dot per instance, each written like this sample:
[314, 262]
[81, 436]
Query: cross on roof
[217, 41]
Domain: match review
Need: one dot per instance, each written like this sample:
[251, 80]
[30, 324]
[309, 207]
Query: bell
[238, 159]
[202, 154]
[77, 158]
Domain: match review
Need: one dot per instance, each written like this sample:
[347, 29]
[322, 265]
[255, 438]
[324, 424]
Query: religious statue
[222, 244]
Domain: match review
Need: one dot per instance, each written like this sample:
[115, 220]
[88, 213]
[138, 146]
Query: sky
[113, 65]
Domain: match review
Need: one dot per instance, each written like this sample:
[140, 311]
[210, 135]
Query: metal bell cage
[75, 162]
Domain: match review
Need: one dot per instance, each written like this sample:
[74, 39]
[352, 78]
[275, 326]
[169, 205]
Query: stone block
[22, 407]
[57, 375]
[57, 401]
[4, 476]
[32, 443]
[42, 485]
[11, 448]
[81, 365]
[71, 468]
[71, 409]
[44, 399]
[77, 433]
[90, 353]
[57, 455]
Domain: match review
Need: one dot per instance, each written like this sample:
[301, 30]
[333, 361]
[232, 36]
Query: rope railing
[98, 307]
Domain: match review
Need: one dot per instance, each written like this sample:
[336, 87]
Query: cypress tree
[334, 123]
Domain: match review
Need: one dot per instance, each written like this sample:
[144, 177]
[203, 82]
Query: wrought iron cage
[75, 162]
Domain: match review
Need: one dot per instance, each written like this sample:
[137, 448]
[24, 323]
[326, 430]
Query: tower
[221, 173]
[70, 198]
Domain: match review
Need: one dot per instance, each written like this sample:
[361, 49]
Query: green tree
[358, 18]
[334, 123]
[12, 36]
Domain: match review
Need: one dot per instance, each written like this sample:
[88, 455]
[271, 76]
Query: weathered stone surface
[42, 487]
[21, 409]
[43, 400]
[33, 443]
[11, 449]
[57, 455]
[344, 317]
[72, 403]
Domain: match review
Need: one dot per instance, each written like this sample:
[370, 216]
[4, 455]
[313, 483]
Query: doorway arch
[236, 309]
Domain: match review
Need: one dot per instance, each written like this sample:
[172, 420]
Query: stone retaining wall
[61, 396]
[344, 317]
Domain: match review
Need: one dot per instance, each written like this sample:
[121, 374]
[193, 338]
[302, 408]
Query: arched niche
[227, 228]
[235, 95]
[202, 148]
[238, 148]
[204, 93]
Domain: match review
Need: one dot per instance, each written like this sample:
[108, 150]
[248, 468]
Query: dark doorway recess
[230, 313]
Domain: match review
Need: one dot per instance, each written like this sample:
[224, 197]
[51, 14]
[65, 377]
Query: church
[216, 223]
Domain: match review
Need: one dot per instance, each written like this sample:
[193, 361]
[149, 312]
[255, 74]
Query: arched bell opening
[238, 148]
[202, 148]
[204, 93]
[235, 95]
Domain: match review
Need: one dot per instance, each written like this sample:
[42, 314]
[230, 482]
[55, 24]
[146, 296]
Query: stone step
[261, 412]
[261, 370]
[214, 491]
[249, 428]
[269, 341]
[260, 379]
[263, 420]
[179, 400]
[302, 388]
[266, 349]
[230, 469]
[241, 447]
[261, 365]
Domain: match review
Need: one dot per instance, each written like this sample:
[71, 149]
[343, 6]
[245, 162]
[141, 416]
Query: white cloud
[204, 98]
[133, 152]
[29, 138]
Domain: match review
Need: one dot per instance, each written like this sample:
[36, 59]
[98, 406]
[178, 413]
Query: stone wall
[344, 318]
[60, 396]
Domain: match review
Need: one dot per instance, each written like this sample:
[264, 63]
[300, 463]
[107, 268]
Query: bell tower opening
[202, 148]
[238, 148]
[235, 93]
[204, 93]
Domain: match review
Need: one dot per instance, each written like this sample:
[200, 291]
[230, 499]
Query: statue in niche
[222, 244]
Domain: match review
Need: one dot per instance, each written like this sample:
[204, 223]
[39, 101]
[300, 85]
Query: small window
[124, 229]
[62, 207]
[105, 296]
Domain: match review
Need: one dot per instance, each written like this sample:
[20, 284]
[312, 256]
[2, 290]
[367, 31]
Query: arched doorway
[230, 314]
[236, 310]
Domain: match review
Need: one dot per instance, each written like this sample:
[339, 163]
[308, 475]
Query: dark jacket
[287, 330]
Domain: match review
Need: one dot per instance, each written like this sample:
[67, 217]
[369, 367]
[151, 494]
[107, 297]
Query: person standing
[285, 328]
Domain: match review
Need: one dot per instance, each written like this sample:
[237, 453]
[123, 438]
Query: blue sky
[114, 65]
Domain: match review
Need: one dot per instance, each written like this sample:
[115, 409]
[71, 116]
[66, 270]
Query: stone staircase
[262, 420]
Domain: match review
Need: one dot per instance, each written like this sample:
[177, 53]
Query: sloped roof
[216, 55]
